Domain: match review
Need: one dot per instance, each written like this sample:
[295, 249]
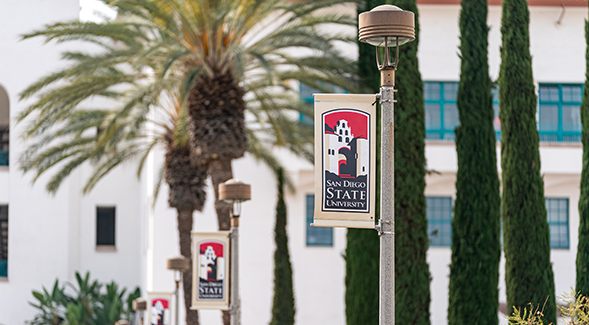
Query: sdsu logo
[346, 160]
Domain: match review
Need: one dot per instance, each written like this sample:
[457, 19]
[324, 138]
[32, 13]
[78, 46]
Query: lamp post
[178, 264]
[389, 27]
[235, 192]
[139, 306]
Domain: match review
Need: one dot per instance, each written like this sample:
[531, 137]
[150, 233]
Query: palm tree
[161, 56]
[224, 43]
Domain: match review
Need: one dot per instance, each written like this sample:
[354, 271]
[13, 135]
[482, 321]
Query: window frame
[100, 245]
[560, 134]
[442, 133]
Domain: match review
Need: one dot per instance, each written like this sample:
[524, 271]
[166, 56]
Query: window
[316, 236]
[557, 212]
[441, 112]
[3, 241]
[105, 226]
[439, 220]
[306, 94]
[496, 121]
[4, 127]
[560, 113]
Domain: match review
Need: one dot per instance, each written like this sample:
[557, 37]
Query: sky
[94, 10]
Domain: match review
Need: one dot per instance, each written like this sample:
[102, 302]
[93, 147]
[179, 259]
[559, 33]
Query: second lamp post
[235, 192]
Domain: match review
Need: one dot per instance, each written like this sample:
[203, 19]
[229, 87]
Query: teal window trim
[496, 121]
[440, 100]
[3, 241]
[316, 236]
[559, 97]
[306, 95]
[439, 213]
[557, 213]
[4, 136]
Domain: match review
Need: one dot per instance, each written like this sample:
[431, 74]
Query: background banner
[159, 308]
[345, 160]
[210, 275]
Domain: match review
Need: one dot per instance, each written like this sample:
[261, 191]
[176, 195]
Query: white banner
[210, 270]
[345, 160]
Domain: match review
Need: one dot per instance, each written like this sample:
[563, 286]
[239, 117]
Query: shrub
[576, 312]
[89, 303]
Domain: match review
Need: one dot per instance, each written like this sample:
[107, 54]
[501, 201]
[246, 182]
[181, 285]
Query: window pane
[549, 94]
[571, 93]
[451, 120]
[557, 213]
[316, 236]
[571, 118]
[431, 90]
[105, 226]
[433, 118]
[439, 218]
[3, 241]
[496, 121]
[450, 91]
[548, 118]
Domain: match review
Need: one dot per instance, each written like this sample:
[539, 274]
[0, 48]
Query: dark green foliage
[528, 271]
[476, 247]
[283, 305]
[90, 303]
[362, 277]
[582, 283]
[411, 241]
[362, 250]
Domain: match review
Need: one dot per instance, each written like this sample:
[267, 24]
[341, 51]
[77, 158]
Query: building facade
[114, 232]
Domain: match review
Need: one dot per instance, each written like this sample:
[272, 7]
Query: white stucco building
[44, 237]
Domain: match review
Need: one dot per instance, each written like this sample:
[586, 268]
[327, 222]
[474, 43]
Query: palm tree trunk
[220, 171]
[185, 234]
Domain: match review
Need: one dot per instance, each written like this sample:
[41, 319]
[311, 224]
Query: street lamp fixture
[177, 264]
[139, 306]
[235, 192]
[387, 26]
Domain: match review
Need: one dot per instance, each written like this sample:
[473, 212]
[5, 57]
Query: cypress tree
[528, 271]
[476, 248]
[362, 250]
[582, 283]
[283, 305]
[411, 241]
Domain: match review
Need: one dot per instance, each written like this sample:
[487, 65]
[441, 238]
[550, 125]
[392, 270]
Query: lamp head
[235, 191]
[139, 304]
[178, 263]
[386, 26]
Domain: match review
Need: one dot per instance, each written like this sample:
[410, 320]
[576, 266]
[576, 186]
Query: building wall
[53, 236]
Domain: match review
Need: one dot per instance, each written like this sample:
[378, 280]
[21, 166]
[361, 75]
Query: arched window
[4, 126]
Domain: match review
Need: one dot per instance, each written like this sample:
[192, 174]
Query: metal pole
[387, 203]
[177, 275]
[234, 308]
